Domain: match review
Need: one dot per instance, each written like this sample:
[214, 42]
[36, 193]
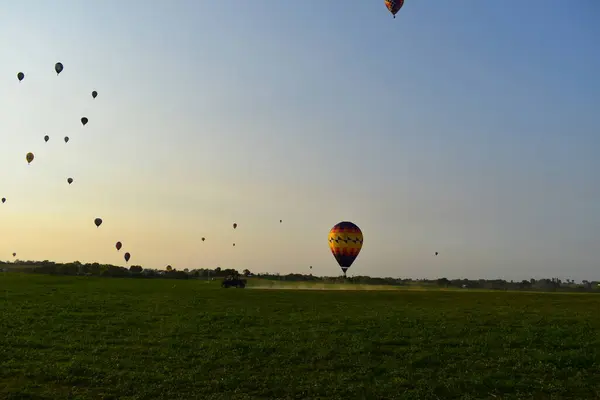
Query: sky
[468, 128]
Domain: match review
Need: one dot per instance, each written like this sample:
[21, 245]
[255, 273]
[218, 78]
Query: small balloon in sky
[94, 94]
[66, 139]
[84, 120]
[69, 180]
[29, 157]
[20, 76]
[58, 67]
[119, 245]
[127, 257]
[98, 222]
[46, 138]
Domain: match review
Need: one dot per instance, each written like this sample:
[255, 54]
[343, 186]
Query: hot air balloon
[98, 222]
[3, 200]
[119, 245]
[29, 157]
[20, 76]
[280, 221]
[66, 139]
[94, 94]
[46, 138]
[394, 6]
[84, 120]
[436, 253]
[234, 245]
[14, 254]
[169, 268]
[203, 239]
[127, 256]
[234, 225]
[58, 67]
[345, 242]
[69, 180]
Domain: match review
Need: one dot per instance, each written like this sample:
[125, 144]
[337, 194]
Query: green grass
[94, 338]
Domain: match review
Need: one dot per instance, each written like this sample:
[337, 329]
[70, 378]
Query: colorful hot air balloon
[234, 225]
[66, 139]
[46, 138]
[84, 120]
[69, 180]
[3, 200]
[94, 94]
[345, 242]
[98, 222]
[127, 256]
[119, 245]
[20, 76]
[58, 67]
[394, 6]
[29, 157]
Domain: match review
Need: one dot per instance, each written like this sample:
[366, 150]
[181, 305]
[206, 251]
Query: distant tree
[246, 272]
[136, 269]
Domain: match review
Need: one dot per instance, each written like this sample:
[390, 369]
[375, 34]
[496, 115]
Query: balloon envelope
[203, 239]
[98, 221]
[127, 257]
[29, 157]
[94, 94]
[118, 246]
[20, 76]
[69, 180]
[66, 139]
[58, 67]
[234, 225]
[394, 6]
[46, 138]
[3, 200]
[345, 242]
[84, 120]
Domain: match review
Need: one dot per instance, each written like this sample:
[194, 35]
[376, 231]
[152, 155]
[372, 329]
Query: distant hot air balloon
[119, 245]
[436, 253]
[14, 254]
[280, 221]
[58, 67]
[98, 222]
[203, 239]
[69, 180]
[311, 267]
[234, 225]
[66, 139]
[46, 138]
[394, 6]
[169, 268]
[345, 242]
[3, 200]
[94, 94]
[20, 76]
[234, 245]
[84, 120]
[127, 256]
[29, 157]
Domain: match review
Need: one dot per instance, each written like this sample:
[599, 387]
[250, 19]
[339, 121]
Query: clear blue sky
[468, 128]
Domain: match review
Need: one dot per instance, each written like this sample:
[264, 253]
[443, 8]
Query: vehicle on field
[234, 281]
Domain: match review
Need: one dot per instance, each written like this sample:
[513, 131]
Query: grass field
[93, 338]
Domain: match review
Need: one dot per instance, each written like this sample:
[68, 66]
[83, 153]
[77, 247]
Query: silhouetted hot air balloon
[169, 268]
[69, 180]
[14, 254]
[66, 139]
[280, 221]
[394, 6]
[20, 76]
[234, 225]
[3, 200]
[234, 245]
[436, 253]
[84, 120]
[29, 157]
[203, 239]
[127, 256]
[46, 138]
[98, 222]
[119, 245]
[310, 267]
[345, 242]
[58, 67]
[94, 94]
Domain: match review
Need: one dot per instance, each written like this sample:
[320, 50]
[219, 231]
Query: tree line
[137, 271]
